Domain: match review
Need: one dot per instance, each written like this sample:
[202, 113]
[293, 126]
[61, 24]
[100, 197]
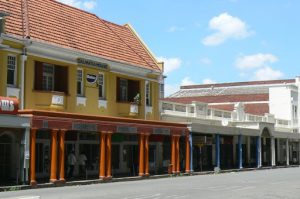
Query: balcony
[201, 111]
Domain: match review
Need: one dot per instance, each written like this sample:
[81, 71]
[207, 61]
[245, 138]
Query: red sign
[9, 105]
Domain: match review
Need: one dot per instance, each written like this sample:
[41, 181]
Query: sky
[212, 41]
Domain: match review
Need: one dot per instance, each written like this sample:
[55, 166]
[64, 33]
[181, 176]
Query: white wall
[280, 102]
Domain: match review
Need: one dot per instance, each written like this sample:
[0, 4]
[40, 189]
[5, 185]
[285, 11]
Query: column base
[146, 175]
[62, 180]
[101, 177]
[33, 183]
[141, 174]
[53, 180]
[105, 178]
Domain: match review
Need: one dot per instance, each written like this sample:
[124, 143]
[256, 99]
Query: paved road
[265, 184]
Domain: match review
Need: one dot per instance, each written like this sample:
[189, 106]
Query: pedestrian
[71, 164]
[82, 164]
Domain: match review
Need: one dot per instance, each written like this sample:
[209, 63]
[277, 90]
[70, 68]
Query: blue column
[191, 152]
[240, 152]
[217, 140]
[258, 152]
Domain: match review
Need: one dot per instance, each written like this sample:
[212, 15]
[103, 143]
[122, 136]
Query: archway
[266, 152]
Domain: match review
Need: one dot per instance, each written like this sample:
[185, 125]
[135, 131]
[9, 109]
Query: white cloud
[170, 64]
[255, 61]
[267, 73]
[257, 67]
[205, 61]
[89, 5]
[175, 29]
[226, 27]
[208, 81]
[171, 89]
[82, 4]
[186, 81]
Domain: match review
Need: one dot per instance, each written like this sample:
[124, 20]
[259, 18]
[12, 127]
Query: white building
[241, 124]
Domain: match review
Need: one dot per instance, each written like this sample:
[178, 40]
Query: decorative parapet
[201, 111]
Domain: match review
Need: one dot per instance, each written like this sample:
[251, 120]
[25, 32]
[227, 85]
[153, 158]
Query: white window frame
[48, 75]
[81, 85]
[161, 90]
[15, 69]
[123, 90]
[102, 84]
[148, 93]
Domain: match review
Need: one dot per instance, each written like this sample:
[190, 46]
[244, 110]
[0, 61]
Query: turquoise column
[217, 140]
[240, 152]
[258, 152]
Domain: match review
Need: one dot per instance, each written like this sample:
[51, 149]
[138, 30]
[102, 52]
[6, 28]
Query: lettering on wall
[161, 131]
[8, 105]
[88, 62]
[84, 126]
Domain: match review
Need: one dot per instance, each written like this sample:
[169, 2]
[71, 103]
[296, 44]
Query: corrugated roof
[53, 22]
[282, 81]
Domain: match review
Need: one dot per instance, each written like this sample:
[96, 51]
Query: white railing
[202, 111]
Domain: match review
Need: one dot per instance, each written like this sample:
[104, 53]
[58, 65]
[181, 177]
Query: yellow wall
[3, 71]
[42, 99]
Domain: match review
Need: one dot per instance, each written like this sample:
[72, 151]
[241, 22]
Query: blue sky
[212, 41]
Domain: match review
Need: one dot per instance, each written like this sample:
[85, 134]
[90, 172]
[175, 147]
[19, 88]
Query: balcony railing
[202, 111]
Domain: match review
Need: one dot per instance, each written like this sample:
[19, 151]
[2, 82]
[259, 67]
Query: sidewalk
[135, 178]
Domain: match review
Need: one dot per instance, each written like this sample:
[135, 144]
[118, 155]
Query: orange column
[32, 156]
[187, 154]
[102, 155]
[53, 177]
[147, 155]
[173, 157]
[108, 155]
[62, 155]
[177, 155]
[141, 159]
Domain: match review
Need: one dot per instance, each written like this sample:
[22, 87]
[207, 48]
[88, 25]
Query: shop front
[109, 147]
[13, 144]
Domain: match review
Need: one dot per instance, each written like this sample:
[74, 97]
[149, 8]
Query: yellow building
[84, 83]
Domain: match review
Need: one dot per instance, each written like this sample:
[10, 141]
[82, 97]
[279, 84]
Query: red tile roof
[220, 99]
[255, 109]
[240, 84]
[52, 22]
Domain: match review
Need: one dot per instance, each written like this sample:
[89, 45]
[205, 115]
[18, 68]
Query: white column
[23, 59]
[287, 152]
[26, 156]
[299, 152]
[249, 150]
[273, 151]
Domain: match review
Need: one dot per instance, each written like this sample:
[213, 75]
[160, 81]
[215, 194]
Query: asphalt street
[263, 184]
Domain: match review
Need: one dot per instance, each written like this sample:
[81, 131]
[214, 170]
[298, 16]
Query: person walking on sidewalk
[71, 164]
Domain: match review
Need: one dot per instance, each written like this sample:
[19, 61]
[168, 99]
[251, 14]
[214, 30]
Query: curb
[136, 178]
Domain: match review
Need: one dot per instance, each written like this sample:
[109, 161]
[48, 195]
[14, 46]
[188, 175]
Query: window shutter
[118, 89]
[38, 76]
[61, 79]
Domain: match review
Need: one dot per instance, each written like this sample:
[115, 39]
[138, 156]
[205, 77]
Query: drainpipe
[23, 60]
